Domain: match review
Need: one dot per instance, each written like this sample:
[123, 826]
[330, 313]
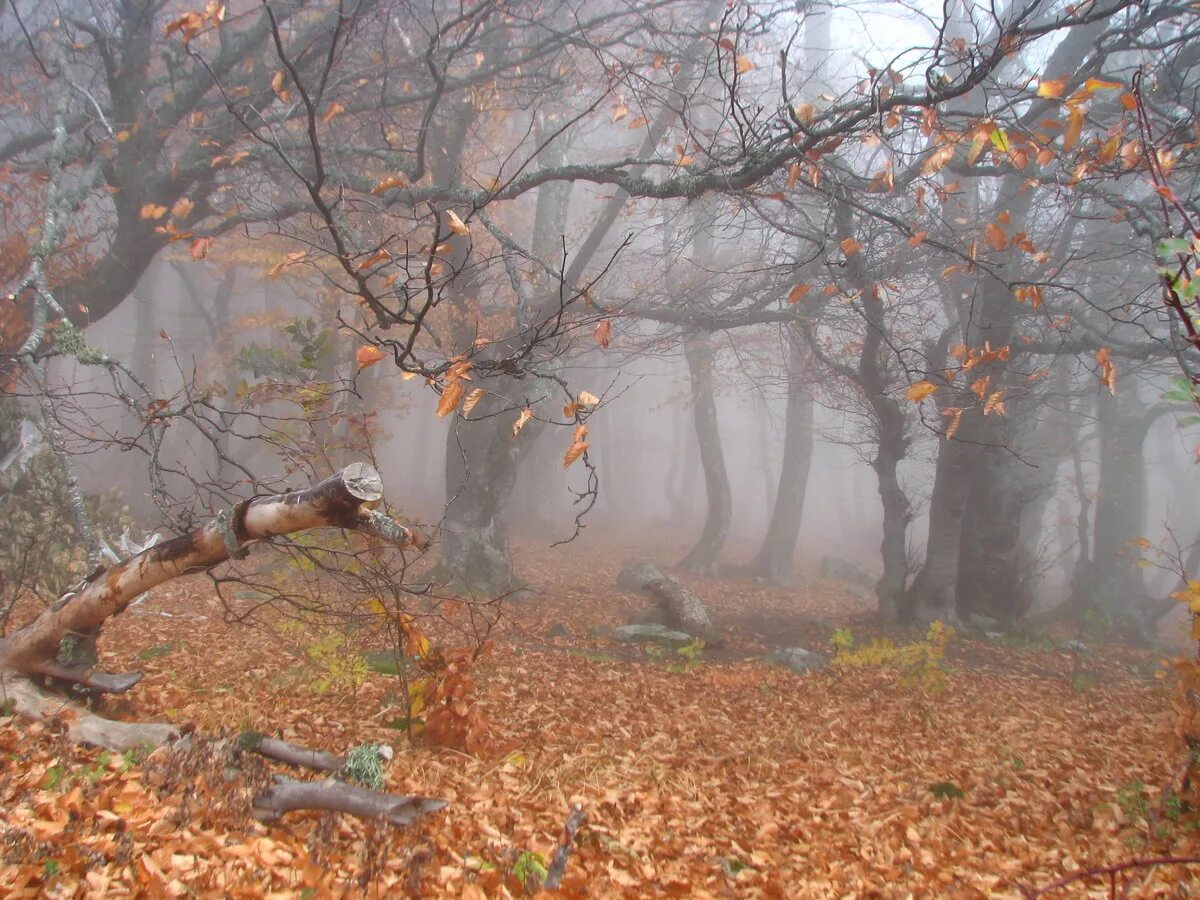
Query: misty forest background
[761, 436]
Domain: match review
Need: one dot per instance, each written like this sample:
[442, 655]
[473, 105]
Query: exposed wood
[338, 796]
[293, 755]
[83, 725]
[337, 502]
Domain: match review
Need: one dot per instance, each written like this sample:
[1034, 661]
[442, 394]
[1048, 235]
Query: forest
[598, 448]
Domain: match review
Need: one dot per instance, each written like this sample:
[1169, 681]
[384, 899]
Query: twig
[1082, 874]
[558, 865]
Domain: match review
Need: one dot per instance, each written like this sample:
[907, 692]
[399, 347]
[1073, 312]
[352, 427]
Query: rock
[557, 630]
[844, 570]
[636, 574]
[799, 660]
[651, 634]
[1075, 646]
[994, 635]
[983, 623]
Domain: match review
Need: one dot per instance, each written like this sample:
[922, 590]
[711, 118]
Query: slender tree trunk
[776, 559]
[896, 516]
[704, 556]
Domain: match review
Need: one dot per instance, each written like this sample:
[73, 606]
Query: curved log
[83, 725]
[338, 796]
[338, 502]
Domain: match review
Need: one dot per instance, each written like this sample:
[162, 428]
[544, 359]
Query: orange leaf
[1073, 129]
[1051, 89]
[744, 65]
[367, 355]
[392, 181]
[525, 416]
[995, 237]
[917, 239]
[472, 398]
[850, 246]
[199, 247]
[575, 451]
[919, 391]
[796, 294]
[455, 224]
[335, 108]
[153, 211]
[602, 332]
[451, 394]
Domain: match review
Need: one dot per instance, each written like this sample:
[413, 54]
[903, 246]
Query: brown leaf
[367, 355]
[525, 416]
[199, 247]
[603, 332]
[451, 394]
[919, 391]
[455, 224]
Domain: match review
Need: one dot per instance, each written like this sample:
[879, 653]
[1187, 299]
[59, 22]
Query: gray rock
[799, 660]
[994, 635]
[651, 634]
[1075, 646]
[558, 630]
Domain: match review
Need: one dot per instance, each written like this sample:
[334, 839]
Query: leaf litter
[728, 778]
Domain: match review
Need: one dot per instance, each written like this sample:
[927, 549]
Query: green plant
[920, 663]
[55, 776]
[51, 868]
[689, 657]
[364, 765]
[339, 667]
[530, 865]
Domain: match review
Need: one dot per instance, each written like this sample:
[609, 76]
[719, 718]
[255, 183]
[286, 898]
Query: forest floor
[719, 776]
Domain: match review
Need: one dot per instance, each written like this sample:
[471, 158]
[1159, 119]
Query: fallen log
[292, 755]
[683, 609]
[338, 796]
[43, 647]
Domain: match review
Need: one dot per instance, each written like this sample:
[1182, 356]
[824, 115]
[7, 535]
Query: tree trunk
[704, 557]
[896, 516]
[932, 593]
[994, 569]
[1111, 582]
[483, 460]
[776, 558]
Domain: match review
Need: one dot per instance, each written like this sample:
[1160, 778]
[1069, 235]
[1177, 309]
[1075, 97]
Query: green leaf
[1000, 140]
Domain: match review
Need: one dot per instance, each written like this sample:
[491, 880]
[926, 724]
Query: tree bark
[932, 594]
[338, 796]
[336, 502]
[1110, 581]
[776, 559]
[704, 557]
[483, 460]
[684, 609]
